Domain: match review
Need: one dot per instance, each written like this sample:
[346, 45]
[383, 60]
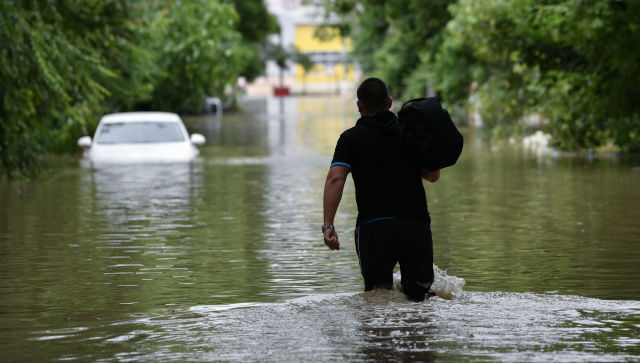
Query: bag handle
[413, 100]
[421, 99]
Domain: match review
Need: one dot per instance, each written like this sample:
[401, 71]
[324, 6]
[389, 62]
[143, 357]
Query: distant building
[331, 64]
[333, 71]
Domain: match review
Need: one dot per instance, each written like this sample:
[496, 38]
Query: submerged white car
[133, 137]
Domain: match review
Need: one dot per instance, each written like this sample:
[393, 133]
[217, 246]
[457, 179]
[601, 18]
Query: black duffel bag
[429, 134]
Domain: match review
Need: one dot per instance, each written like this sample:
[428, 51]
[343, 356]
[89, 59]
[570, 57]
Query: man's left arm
[333, 188]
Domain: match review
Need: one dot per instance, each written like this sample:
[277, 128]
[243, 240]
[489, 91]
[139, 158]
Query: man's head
[373, 97]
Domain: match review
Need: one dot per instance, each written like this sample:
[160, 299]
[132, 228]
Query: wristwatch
[328, 226]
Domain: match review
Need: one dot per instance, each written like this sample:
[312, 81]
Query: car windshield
[139, 132]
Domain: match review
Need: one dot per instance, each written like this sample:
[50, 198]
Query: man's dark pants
[382, 244]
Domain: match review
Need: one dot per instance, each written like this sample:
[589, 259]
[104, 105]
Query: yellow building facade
[328, 56]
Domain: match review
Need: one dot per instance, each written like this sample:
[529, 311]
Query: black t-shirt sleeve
[343, 155]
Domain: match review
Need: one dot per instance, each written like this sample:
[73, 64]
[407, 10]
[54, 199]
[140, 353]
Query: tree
[67, 62]
[255, 24]
[392, 39]
[63, 63]
[304, 60]
[198, 51]
[573, 62]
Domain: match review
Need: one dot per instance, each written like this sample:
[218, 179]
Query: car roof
[140, 117]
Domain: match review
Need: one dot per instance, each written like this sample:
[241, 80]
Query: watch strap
[327, 227]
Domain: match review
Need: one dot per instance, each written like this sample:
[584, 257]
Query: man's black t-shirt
[387, 180]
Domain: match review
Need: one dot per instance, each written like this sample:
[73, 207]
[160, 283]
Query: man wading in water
[393, 223]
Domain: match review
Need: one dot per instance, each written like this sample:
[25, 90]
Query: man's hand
[431, 176]
[331, 239]
[332, 194]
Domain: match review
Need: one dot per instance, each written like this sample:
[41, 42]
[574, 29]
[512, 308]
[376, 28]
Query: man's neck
[365, 113]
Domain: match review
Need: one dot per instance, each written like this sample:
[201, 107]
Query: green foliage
[253, 60]
[392, 39]
[67, 62]
[63, 62]
[198, 52]
[574, 62]
[303, 60]
[254, 23]
[281, 55]
[571, 63]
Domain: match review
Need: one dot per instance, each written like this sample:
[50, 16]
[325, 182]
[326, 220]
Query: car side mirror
[84, 141]
[198, 139]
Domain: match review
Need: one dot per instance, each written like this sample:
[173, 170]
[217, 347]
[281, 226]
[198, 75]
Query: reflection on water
[222, 258]
[144, 198]
[144, 213]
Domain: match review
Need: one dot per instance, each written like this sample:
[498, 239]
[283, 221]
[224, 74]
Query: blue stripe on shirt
[341, 163]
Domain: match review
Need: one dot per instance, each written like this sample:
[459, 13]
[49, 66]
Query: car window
[139, 132]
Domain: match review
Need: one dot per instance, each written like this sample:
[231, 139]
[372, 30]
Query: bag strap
[413, 100]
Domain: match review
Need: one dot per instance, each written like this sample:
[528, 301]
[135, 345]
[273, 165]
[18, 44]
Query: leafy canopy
[573, 62]
[67, 62]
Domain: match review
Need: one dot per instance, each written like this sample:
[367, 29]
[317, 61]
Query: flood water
[222, 259]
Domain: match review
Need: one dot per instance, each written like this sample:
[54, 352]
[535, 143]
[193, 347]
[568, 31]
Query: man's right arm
[333, 188]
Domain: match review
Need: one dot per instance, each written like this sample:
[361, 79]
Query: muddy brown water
[221, 259]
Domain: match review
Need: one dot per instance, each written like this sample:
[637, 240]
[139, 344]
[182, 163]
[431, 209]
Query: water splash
[445, 286]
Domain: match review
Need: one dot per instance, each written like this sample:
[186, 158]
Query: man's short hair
[373, 94]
